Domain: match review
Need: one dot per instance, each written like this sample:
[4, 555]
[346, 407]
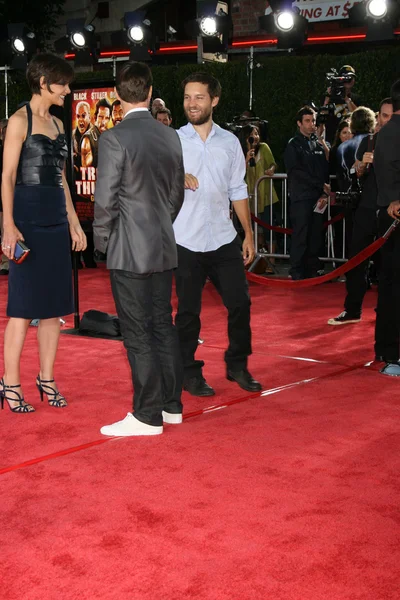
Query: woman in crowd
[343, 133]
[38, 210]
[260, 161]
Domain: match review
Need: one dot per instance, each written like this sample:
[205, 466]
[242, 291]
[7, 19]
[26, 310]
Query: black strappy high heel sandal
[54, 398]
[21, 407]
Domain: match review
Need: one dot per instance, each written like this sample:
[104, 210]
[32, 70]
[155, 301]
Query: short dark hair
[115, 103]
[385, 101]
[134, 81]
[53, 68]
[212, 83]
[164, 111]
[103, 102]
[362, 120]
[305, 110]
[395, 94]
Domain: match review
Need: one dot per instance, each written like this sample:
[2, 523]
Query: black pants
[365, 228]
[144, 308]
[387, 330]
[225, 269]
[306, 240]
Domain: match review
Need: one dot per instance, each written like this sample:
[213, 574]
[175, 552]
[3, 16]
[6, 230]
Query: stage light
[288, 25]
[17, 44]
[285, 20]
[380, 16]
[136, 34]
[208, 26]
[81, 38]
[140, 36]
[78, 40]
[377, 9]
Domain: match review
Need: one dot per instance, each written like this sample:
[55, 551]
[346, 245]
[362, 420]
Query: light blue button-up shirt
[203, 223]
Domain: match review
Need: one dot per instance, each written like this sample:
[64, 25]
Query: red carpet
[293, 495]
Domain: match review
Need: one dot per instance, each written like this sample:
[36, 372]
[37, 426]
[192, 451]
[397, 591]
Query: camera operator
[387, 171]
[341, 97]
[308, 173]
[365, 226]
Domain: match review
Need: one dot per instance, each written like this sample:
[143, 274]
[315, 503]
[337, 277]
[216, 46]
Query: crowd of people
[177, 222]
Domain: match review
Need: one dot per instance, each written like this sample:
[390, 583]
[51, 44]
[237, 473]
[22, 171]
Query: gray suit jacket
[139, 192]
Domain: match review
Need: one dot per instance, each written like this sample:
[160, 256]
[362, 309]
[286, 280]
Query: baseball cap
[347, 70]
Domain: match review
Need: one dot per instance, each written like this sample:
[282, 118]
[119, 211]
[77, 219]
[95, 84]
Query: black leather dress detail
[42, 158]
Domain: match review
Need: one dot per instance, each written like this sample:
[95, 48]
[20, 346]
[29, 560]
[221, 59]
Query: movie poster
[93, 112]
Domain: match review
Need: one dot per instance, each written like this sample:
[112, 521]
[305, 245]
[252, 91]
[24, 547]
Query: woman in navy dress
[38, 210]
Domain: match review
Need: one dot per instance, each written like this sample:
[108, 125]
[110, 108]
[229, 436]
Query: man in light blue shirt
[208, 245]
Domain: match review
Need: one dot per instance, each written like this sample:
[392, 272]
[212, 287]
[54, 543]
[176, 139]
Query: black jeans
[144, 308]
[225, 269]
[387, 330]
[365, 228]
[306, 240]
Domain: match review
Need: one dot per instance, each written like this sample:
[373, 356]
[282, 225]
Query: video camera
[336, 83]
[239, 122]
[352, 197]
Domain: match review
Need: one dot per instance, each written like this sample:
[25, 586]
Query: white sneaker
[130, 426]
[172, 418]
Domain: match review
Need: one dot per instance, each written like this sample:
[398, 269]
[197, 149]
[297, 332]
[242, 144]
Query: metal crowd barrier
[330, 236]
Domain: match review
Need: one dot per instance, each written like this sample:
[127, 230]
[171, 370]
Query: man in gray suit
[139, 192]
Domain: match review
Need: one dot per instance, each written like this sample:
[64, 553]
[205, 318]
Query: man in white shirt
[208, 245]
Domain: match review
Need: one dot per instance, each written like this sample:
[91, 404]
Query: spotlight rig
[18, 45]
[286, 22]
[80, 38]
[380, 16]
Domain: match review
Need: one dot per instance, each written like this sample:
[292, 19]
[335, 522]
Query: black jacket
[306, 167]
[387, 162]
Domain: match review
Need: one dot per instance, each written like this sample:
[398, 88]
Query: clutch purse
[21, 252]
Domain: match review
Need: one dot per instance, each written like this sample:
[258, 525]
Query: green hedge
[281, 86]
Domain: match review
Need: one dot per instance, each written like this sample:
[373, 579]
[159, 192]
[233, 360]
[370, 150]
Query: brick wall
[245, 15]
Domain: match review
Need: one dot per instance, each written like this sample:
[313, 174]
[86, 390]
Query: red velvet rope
[302, 283]
[290, 231]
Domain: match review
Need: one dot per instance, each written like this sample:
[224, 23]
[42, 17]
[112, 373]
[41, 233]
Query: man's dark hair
[213, 85]
[134, 81]
[306, 110]
[395, 94]
[164, 111]
[385, 101]
[115, 103]
[102, 103]
[362, 120]
[53, 68]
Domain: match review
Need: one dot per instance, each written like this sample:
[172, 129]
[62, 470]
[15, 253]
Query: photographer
[260, 161]
[340, 97]
[308, 173]
[365, 225]
[387, 171]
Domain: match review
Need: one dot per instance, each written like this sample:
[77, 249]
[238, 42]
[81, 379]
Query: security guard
[308, 175]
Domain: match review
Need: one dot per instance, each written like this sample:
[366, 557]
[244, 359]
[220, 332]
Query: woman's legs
[14, 338]
[48, 335]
